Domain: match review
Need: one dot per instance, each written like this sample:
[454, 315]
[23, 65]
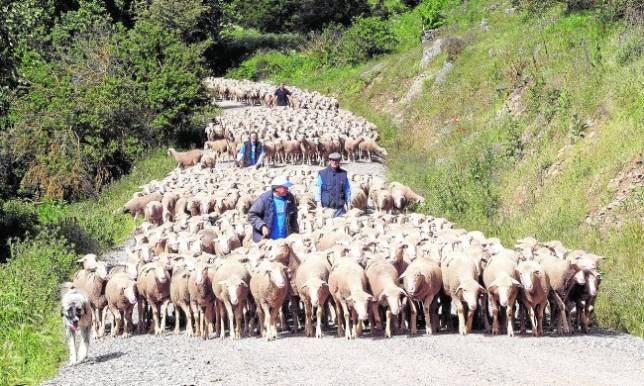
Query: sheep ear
[516, 282]
[483, 289]
[81, 260]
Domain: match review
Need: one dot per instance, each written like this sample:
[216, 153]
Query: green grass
[539, 172]
[31, 333]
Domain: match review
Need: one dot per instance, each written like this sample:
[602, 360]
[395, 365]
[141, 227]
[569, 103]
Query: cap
[335, 156]
[281, 181]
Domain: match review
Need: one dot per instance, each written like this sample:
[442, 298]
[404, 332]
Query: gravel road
[599, 358]
[596, 359]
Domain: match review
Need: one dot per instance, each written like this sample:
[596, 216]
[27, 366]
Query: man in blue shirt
[332, 188]
[282, 95]
[251, 153]
[274, 214]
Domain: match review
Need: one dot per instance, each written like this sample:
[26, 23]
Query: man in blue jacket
[332, 188]
[274, 214]
[251, 153]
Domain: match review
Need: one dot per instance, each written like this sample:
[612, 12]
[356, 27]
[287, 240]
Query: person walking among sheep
[251, 153]
[274, 214]
[332, 188]
[282, 95]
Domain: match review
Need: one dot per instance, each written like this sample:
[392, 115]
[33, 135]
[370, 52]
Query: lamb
[269, 286]
[186, 159]
[230, 286]
[93, 283]
[460, 281]
[348, 287]
[534, 295]
[500, 279]
[154, 212]
[121, 295]
[382, 277]
[422, 281]
[180, 297]
[311, 283]
[154, 287]
[136, 205]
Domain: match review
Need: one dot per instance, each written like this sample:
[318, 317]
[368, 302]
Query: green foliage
[17, 218]
[432, 13]
[279, 16]
[101, 94]
[366, 38]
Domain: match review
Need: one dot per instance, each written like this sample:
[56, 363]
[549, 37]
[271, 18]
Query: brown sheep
[187, 158]
[154, 212]
[383, 277]
[422, 281]
[269, 286]
[121, 295]
[500, 279]
[93, 283]
[136, 205]
[534, 295]
[180, 297]
[230, 286]
[202, 299]
[154, 287]
[311, 282]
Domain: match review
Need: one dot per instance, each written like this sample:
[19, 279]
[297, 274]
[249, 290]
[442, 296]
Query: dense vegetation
[515, 128]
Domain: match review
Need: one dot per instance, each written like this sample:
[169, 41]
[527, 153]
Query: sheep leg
[273, 323]
[186, 311]
[268, 331]
[533, 322]
[231, 320]
[141, 308]
[388, 323]
[318, 327]
[354, 324]
[198, 318]
[522, 317]
[116, 325]
[95, 319]
[541, 309]
[308, 318]
[155, 317]
[294, 309]
[345, 314]
[413, 314]
[102, 312]
[127, 322]
[509, 312]
[261, 321]
[177, 319]
[429, 320]
[375, 311]
[484, 312]
[562, 314]
[164, 313]
[239, 318]
[461, 316]
[495, 316]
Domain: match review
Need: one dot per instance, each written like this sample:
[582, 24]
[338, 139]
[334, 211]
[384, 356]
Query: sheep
[230, 286]
[382, 277]
[89, 262]
[136, 206]
[403, 196]
[561, 274]
[422, 281]
[185, 159]
[311, 283]
[269, 286]
[93, 283]
[180, 297]
[370, 147]
[121, 294]
[154, 212]
[534, 295]
[168, 202]
[460, 281]
[382, 200]
[500, 279]
[202, 299]
[348, 287]
[154, 287]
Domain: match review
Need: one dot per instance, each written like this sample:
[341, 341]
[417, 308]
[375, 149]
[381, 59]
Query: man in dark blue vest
[282, 95]
[332, 189]
[251, 153]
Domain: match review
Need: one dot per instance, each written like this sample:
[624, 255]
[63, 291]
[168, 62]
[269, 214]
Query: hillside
[517, 124]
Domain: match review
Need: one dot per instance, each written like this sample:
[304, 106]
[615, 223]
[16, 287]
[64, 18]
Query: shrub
[367, 37]
[17, 218]
[432, 13]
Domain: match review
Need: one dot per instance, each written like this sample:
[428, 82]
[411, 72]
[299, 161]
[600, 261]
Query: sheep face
[413, 283]
[528, 271]
[317, 290]
[161, 274]
[593, 278]
[503, 288]
[130, 293]
[236, 289]
[392, 297]
[360, 303]
[468, 292]
[101, 270]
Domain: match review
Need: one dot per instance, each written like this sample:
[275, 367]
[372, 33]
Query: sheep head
[469, 292]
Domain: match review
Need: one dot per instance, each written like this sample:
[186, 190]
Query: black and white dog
[77, 319]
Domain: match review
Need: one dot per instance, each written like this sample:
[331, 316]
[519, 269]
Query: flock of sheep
[374, 268]
[377, 266]
[259, 93]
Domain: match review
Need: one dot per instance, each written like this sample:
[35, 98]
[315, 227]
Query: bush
[366, 38]
[432, 13]
[17, 218]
